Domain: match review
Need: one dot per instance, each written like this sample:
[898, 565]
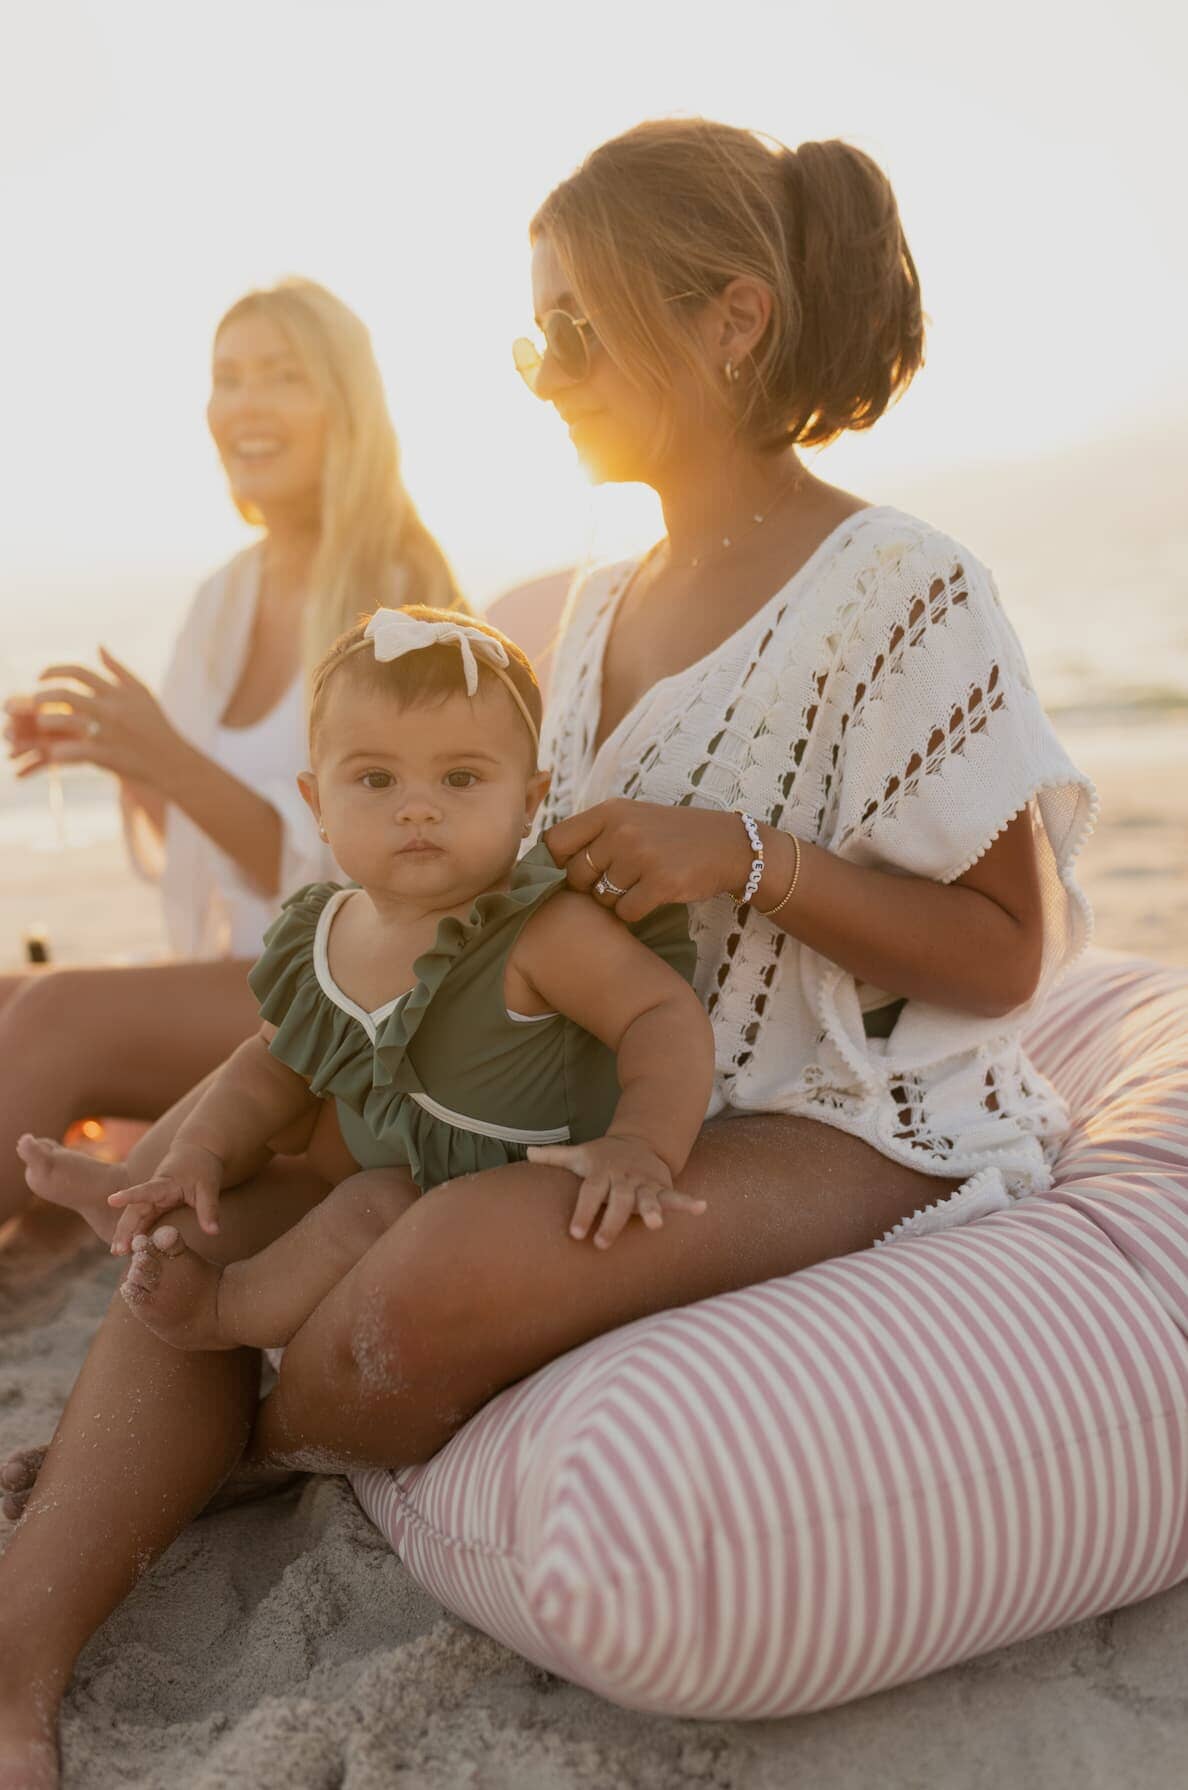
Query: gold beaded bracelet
[767, 912]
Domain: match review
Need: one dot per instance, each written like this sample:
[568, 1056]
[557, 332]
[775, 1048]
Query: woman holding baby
[801, 717]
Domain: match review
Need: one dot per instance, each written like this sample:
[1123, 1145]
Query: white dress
[880, 706]
[211, 907]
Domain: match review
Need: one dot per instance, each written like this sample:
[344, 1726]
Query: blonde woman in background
[207, 770]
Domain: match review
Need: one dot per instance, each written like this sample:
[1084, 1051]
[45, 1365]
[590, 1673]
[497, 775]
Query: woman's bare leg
[480, 1282]
[148, 1434]
[128, 1041]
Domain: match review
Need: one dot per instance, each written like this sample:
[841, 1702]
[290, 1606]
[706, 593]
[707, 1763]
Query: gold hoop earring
[733, 373]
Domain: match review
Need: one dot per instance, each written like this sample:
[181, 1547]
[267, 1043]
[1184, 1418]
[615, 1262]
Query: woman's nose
[551, 377]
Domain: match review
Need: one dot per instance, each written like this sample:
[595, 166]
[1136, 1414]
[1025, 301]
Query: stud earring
[322, 832]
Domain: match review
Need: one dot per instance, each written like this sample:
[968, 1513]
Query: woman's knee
[416, 1301]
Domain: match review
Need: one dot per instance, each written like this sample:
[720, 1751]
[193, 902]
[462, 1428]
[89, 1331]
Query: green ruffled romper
[443, 1079]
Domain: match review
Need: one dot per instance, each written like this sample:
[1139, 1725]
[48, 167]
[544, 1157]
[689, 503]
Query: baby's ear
[307, 783]
[537, 790]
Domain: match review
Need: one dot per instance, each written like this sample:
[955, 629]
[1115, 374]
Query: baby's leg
[72, 1178]
[262, 1301]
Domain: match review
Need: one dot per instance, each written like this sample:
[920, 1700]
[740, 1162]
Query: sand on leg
[262, 1300]
[149, 1433]
[480, 1282]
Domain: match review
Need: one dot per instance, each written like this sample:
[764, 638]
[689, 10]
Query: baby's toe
[167, 1239]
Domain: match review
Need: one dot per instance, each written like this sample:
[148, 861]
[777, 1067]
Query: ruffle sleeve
[314, 1036]
[942, 741]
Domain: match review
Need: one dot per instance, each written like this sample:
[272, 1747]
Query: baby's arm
[227, 1136]
[585, 963]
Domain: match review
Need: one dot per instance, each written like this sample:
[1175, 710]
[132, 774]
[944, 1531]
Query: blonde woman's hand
[624, 1175]
[653, 853]
[114, 722]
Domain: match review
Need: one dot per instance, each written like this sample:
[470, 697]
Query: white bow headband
[393, 633]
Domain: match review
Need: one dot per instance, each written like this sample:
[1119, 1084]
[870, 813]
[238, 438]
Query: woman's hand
[186, 1176]
[115, 722]
[653, 853]
[620, 1173]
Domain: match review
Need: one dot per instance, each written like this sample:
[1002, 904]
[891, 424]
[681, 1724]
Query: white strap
[504, 1133]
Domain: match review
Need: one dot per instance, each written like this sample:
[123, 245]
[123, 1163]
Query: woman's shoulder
[895, 540]
[230, 585]
[593, 587]
[895, 566]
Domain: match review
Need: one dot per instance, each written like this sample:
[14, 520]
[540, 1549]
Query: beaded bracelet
[767, 912]
[756, 875]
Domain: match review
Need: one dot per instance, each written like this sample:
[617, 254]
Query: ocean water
[1090, 553]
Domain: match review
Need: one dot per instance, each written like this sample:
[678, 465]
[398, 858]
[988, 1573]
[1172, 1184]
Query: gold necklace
[758, 518]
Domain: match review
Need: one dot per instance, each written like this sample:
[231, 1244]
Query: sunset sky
[158, 159]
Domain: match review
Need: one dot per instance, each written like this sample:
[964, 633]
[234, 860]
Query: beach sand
[283, 1645]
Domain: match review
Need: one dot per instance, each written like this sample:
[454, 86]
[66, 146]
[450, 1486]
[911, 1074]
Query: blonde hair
[666, 215]
[373, 548]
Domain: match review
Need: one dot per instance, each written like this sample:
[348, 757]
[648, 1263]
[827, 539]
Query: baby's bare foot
[174, 1292]
[70, 1178]
[18, 1476]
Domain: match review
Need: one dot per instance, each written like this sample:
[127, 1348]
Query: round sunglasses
[565, 338]
[569, 340]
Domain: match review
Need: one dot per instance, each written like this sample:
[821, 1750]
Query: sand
[284, 1645]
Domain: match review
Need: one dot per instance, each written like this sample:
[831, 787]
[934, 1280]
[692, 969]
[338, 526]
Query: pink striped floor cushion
[791, 1496]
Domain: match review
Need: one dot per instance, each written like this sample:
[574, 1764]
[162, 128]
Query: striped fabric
[787, 1497]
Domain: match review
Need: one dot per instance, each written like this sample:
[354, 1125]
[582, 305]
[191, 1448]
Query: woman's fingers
[568, 837]
[82, 703]
[79, 674]
[640, 900]
[97, 752]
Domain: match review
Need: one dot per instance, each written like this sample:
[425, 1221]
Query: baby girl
[454, 1008]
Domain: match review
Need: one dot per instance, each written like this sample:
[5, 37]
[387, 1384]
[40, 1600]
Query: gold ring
[590, 861]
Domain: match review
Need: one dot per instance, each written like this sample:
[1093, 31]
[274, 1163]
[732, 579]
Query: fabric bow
[392, 634]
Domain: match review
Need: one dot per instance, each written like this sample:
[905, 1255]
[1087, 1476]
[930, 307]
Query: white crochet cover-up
[880, 706]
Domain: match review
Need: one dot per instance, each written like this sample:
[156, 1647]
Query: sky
[156, 160]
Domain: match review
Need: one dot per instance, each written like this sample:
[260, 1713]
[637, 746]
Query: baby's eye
[376, 779]
[460, 779]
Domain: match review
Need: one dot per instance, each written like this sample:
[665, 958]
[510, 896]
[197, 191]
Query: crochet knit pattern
[880, 706]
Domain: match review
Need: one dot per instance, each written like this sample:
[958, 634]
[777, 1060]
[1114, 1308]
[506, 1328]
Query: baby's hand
[186, 1177]
[622, 1174]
